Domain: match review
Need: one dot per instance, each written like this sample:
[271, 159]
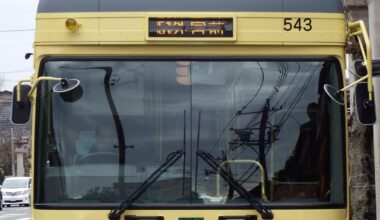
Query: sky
[17, 24]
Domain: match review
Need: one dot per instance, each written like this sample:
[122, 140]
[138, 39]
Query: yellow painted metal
[257, 163]
[299, 214]
[131, 29]
[37, 82]
[357, 29]
[42, 51]
[18, 88]
[34, 85]
[122, 34]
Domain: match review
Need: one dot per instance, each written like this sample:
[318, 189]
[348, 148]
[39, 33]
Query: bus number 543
[298, 23]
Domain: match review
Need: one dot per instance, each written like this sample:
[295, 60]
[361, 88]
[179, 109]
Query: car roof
[16, 178]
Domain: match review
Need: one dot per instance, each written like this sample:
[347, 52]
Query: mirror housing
[21, 109]
[361, 70]
[334, 94]
[365, 109]
[364, 70]
[69, 90]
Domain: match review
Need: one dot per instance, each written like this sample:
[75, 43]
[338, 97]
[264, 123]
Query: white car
[16, 191]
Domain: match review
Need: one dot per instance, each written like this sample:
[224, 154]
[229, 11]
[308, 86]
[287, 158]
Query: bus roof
[322, 6]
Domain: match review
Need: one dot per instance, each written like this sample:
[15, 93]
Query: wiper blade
[214, 164]
[124, 206]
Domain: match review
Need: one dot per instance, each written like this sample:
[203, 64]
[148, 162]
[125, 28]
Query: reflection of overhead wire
[257, 92]
[262, 81]
[289, 84]
[297, 98]
[239, 111]
[286, 91]
[244, 178]
[299, 82]
[252, 173]
[283, 70]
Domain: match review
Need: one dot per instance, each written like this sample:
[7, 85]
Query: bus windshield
[267, 124]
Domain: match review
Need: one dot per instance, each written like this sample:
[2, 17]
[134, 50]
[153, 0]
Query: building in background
[15, 137]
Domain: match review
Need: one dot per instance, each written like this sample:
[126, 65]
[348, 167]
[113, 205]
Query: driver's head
[105, 135]
[313, 111]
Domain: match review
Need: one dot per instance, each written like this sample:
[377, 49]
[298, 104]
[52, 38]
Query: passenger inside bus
[302, 164]
[299, 178]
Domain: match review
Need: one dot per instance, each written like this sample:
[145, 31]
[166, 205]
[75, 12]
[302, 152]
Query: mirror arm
[36, 83]
[19, 88]
[353, 84]
[39, 79]
[355, 30]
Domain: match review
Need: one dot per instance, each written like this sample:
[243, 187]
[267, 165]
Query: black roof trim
[324, 6]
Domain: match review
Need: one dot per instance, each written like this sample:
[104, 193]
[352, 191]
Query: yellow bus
[189, 110]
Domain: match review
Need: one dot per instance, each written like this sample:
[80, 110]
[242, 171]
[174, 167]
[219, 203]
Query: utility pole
[13, 154]
[374, 32]
[20, 150]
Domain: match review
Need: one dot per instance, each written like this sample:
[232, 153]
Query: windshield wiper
[124, 206]
[215, 165]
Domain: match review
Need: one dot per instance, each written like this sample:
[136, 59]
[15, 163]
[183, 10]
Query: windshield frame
[326, 205]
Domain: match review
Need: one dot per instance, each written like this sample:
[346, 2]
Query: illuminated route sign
[191, 28]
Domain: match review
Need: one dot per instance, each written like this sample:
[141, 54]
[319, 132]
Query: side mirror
[334, 94]
[21, 109]
[365, 108]
[361, 70]
[365, 103]
[69, 90]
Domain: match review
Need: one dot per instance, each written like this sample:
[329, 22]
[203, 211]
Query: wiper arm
[214, 164]
[124, 206]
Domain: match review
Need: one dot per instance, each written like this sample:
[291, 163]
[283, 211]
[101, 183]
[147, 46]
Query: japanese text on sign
[191, 27]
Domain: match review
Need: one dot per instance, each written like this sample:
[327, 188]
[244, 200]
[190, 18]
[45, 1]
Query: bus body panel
[315, 214]
[115, 29]
[251, 29]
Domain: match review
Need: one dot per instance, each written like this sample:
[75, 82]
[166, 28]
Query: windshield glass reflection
[268, 125]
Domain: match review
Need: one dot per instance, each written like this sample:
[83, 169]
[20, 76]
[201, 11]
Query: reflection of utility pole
[13, 154]
[264, 141]
[262, 132]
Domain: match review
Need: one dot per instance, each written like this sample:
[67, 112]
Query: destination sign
[191, 27]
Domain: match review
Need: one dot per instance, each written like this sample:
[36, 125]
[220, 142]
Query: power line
[6, 80]
[15, 45]
[16, 71]
[17, 30]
